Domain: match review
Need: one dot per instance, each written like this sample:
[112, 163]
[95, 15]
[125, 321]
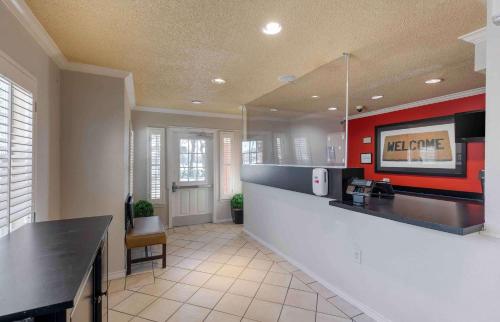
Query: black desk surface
[42, 265]
[451, 215]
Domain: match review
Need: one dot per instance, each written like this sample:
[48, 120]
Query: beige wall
[81, 138]
[17, 43]
[93, 162]
[142, 120]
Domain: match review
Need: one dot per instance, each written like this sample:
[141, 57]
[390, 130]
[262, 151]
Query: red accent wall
[363, 127]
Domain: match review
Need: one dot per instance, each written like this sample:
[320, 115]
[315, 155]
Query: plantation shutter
[4, 155]
[156, 161]
[226, 165]
[131, 162]
[16, 156]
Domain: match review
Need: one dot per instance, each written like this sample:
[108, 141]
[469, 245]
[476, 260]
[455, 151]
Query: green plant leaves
[237, 201]
[143, 208]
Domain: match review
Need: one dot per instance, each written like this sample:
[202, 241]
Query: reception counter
[405, 269]
[447, 214]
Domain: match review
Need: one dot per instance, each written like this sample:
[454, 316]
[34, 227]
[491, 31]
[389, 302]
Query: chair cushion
[147, 231]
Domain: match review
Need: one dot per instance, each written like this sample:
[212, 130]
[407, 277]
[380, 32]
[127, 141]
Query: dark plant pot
[237, 215]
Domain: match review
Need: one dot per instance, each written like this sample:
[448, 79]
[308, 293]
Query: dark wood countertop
[451, 215]
[42, 265]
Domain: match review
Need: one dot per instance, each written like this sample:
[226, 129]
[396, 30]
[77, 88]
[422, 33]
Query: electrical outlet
[357, 255]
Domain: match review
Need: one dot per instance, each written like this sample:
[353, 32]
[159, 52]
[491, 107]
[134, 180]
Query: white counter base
[407, 273]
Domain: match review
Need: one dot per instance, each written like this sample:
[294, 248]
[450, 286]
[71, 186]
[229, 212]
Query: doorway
[190, 176]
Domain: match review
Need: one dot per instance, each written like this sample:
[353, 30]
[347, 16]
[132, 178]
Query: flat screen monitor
[469, 126]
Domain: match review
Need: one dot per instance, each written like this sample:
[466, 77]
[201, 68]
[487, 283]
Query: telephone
[382, 189]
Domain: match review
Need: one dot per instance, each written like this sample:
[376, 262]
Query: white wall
[17, 43]
[492, 153]
[142, 120]
[408, 273]
[94, 165]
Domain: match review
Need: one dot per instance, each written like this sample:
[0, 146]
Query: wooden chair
[143, 232]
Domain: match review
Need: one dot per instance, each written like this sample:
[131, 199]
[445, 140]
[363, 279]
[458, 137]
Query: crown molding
[25, 16]
[439, 99]
[185, 112]
[478, 39]
[96, 70]
[130, 89]
[475, 37]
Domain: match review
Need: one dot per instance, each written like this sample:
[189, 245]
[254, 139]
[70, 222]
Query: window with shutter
[302, 152]
[281, 148]
[156, 139]
[131, 162]
[16, 156]
[226, 165]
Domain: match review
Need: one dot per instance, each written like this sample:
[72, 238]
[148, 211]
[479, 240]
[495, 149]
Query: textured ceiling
[174, 48]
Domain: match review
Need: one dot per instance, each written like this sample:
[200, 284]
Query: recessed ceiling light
[273, 109]
[377, 97]
[272, 28]
[315, 96]
[196, 102]
[333, 108]
[287, 78]
[434, 81]
[218, 81]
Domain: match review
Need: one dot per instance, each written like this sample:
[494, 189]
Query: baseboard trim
[489, 233]
[116, 275]
[220, 221]
[366, 309]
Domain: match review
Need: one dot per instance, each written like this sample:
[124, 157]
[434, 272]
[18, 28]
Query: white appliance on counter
[320, 181]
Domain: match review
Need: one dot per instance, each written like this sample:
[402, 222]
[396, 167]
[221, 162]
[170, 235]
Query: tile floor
[217, 273]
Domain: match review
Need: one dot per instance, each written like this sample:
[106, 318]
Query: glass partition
[294, 125]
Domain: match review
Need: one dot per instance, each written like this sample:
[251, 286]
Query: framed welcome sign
[424, 147]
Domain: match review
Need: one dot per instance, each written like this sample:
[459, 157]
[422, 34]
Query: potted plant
[143, 208]
[237, 208]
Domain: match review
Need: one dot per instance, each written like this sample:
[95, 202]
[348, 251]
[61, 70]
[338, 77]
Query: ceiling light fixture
[434, 81]
[218, 81]
[377, 97]
[315, 96]
[287, 78]
[333, 108]
[273, 109]
[272, 28]
[196, 102]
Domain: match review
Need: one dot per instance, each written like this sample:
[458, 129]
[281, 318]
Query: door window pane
[184, 160]
[192, 160]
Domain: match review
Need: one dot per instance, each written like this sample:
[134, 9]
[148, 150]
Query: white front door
[190, 177]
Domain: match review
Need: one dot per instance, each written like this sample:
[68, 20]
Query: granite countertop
[447, 214]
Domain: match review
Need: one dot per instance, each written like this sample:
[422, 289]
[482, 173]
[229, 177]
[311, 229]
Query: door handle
[175, 187]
